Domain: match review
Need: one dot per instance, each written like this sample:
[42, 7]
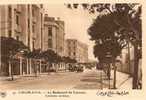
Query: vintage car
[71, 68]
[79, 68]
[75, 68]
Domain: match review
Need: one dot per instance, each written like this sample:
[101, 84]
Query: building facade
[54, 36]
[29, 24]
[24, 23]
[77, 50]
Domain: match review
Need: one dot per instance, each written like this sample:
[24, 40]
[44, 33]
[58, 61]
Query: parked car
[76, 68]
[71, 68]
[88, 66]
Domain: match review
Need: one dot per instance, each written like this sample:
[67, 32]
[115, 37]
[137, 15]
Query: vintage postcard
[72, 50]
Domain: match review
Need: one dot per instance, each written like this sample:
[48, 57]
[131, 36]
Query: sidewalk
[28, 76]
[8, 78]
[21, 77]
[123, 81]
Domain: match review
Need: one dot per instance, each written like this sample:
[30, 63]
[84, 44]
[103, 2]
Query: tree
[51, 56]
[105, 34]
[128, 21]
[36, 54]
[108, 44]
[68, 60]
[9, 49]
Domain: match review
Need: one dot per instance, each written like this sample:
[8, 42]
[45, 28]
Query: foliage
[121, 21]
[68, 60]
[125, 20]
[36, 53]
[105, 34]
[127, 16]
[10, 47]
[51, 56]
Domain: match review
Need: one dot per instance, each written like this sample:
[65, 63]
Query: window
[28, 23]
[17, 19]
[17, 38]
[9, 12]
[9, 33]
[74, 53]
[33, 12]
[49, 31]
[49, 43]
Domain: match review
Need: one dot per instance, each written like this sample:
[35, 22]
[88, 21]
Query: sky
[77, 21]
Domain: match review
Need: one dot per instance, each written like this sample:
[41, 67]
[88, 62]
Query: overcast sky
[77, 21]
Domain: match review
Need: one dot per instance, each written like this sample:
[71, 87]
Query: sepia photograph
[71, 46]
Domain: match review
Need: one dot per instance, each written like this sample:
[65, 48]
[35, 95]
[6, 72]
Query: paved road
[89, 79]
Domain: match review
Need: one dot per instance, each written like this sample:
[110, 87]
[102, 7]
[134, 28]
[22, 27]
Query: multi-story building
[28, 24]
[36, 23]
[60, 38]
[22, 22]
[53, 35]
[77, 50]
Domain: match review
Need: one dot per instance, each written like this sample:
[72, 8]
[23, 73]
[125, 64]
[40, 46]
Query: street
[89, 79]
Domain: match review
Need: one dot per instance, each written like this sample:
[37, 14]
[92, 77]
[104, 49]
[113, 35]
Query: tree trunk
[114, 82]
[11, 70]
[40, 65]
[101, 80]
[136, 61]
